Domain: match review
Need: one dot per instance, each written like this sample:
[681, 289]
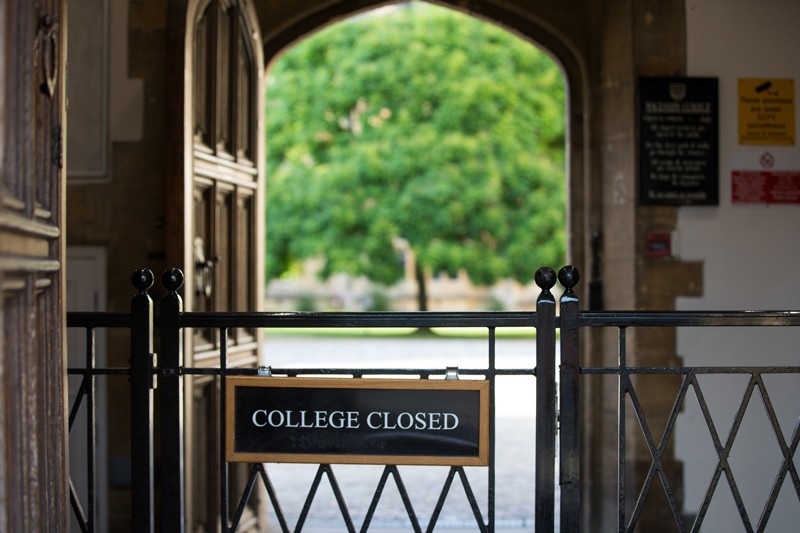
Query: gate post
[141, 380]
[569, 419]
[545, 278]
[172, 484]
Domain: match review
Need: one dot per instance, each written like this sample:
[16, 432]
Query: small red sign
[658, 244]
[766, 187]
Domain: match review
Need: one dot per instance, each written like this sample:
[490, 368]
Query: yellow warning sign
[766, 111]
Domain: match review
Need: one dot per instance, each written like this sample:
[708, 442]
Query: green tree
[416, 123]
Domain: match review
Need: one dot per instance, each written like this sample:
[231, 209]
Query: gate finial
[142, 279]
[172, 279]
[569, 276]
[545, 278]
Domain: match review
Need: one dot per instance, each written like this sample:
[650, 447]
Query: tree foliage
[416, 123]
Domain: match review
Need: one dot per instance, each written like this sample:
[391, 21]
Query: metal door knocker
[47, 43]
[203, 276]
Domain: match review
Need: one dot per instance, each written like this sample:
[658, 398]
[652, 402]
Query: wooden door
[33, 467]
[224, 221]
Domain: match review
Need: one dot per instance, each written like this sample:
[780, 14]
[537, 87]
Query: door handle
[203, 275]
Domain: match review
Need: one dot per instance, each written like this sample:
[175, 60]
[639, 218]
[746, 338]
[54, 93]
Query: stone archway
[584, 195]
[602, 50]
[277, 38]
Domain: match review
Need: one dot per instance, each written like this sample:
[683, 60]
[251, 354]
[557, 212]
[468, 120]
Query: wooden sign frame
[372, 421]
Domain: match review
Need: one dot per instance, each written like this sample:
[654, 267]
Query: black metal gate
[557, 408]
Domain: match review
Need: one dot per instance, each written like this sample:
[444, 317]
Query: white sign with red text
[765, 176]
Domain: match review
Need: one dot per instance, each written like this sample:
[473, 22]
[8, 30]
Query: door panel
[33, 465]
[224, 225]
[223, 247]
[203, 286]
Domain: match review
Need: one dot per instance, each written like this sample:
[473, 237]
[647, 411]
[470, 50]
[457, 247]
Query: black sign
[678, 147]
[369, 421]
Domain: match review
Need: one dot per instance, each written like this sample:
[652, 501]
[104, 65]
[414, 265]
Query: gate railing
[557, 402]
[573, 322]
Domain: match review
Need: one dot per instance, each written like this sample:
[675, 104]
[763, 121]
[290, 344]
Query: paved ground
[514, 473]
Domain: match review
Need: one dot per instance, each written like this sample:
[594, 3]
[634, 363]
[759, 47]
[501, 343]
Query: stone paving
[514, 506]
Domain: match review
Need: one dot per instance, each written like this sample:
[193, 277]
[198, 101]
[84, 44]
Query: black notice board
[678, 141]
[368, 421]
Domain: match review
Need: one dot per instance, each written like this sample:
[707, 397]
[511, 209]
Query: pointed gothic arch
[540, 34]
[421, 284]
[584, 195]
